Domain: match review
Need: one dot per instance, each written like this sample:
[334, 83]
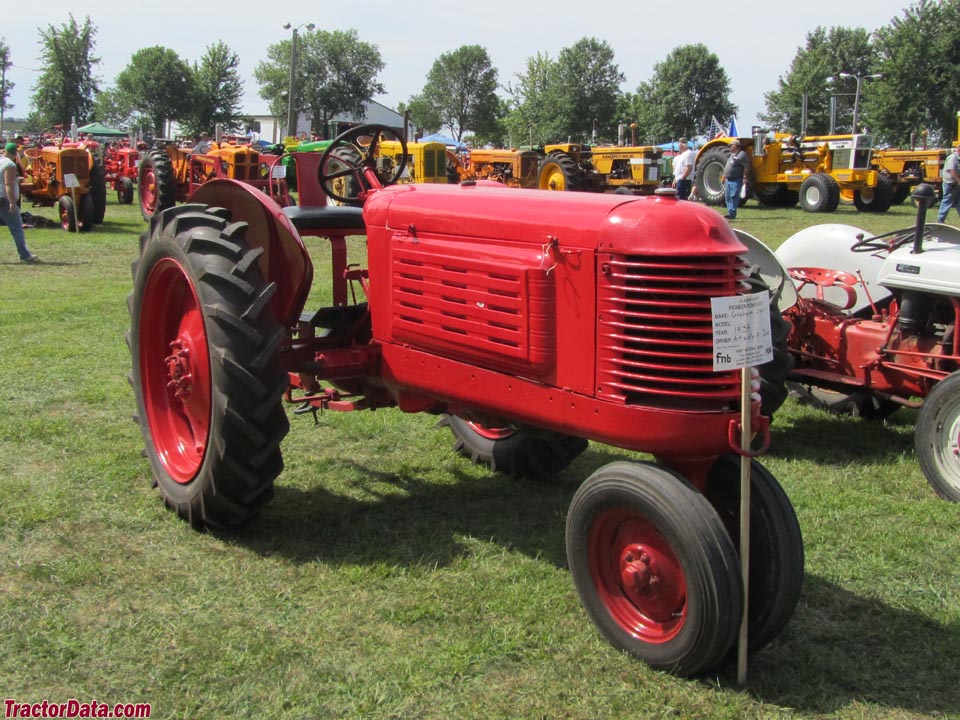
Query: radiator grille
[655, 330]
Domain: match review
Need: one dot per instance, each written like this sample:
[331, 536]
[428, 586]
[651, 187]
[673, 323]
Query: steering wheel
[885, 243]
[352, 156]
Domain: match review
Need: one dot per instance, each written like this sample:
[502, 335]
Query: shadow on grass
[840, 648]
[837, 441]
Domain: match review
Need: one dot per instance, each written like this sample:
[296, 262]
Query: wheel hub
[178, 370]
[636, 570]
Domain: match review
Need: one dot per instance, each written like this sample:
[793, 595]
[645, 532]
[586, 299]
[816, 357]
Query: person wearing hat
[683, 170]
[735, 173]
[9, 194]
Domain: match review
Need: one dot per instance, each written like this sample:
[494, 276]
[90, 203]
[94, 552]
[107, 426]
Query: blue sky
[754, 45]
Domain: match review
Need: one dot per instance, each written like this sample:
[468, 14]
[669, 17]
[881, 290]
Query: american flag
[716, 129]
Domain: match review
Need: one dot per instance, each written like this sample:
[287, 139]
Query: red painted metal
[637, 576]
[175, 370]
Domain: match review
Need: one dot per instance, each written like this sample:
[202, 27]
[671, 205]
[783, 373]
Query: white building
[273, 129]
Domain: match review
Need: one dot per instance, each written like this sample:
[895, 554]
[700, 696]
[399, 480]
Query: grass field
[391, 578]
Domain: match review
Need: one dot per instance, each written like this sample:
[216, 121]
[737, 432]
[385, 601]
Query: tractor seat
[334, 218]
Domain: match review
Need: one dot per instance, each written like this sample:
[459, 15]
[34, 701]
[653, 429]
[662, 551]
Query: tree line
[907, 72]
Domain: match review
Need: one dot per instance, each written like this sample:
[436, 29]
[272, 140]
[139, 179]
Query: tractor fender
[771, 269]
[828, 246]
[285, 260]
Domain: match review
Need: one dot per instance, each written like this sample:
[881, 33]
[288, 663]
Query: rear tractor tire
[539, 456]
[876, 199]
[710, 175]
[559, 171]
[98, 191]
[156, 183]
[206, 371]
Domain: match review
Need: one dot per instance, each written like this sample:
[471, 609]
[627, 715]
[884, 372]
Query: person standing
[951, 185]
[683, 170]
[9, 194]
[735, 174]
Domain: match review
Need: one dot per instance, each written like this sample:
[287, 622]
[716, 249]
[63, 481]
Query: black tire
[559, 171]
[206, 372]
[901, 191]
[862, 405]
[819, 193]
[98, 190]
[876, 199]
[776, 544]
[88, 213]
[68, 219]
[124, 191]
[538, 456]
[636, 534]
[772, 195]
[936, 437]
[773, 374]
[710, 174]
[156, 183]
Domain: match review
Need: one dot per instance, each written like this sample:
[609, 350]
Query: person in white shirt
[683, 170]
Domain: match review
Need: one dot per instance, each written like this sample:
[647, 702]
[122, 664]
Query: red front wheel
[654, 567]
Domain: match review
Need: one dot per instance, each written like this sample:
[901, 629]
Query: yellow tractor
[598, 168]
[513, 168]
[426, 162]
[905, 169]
[815, 170]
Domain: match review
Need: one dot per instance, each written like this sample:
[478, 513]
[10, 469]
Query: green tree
[461, 90]
[217, 91]
[66, 86]
[158, 84]
[574, 97]
[423, 114]
[919, 53]
[336, 74]
[687, 89]
[826, 53]
[537, 105]
[590, 86]
[112, 107]
[5, 64]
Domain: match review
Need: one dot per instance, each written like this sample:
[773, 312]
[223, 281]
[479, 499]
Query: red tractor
[121, 162]
[875, 329]
[531, 322]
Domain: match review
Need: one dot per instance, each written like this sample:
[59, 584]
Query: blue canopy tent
[449, 141]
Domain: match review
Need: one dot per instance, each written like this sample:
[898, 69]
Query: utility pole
[292, 91]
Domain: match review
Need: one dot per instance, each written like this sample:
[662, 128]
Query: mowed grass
[390, 578]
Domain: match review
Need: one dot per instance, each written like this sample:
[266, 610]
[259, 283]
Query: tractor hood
[933, 270]
[607, 223]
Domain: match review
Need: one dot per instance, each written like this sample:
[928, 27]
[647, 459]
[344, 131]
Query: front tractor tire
[538, 456]
[654, 567]
[206, 370]
[820, 193]
[937, 437]
[559, 171]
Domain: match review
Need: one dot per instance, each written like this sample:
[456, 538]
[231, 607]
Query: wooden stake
[745, 462]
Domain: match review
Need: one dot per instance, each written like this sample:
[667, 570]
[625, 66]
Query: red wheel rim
[148, 191]
[637, 576]
[490, 433]
[175, 370]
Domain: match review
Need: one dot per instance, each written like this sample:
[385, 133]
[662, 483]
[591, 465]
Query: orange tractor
[121, 163]
[69, 175]
[170, 174]
[513, 168]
